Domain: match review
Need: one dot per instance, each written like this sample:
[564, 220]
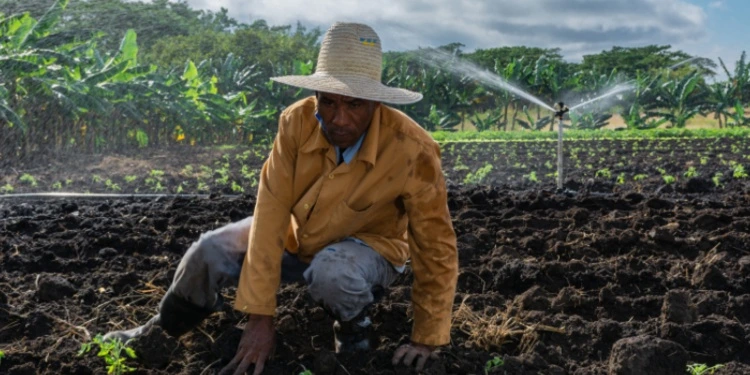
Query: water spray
[560, 110]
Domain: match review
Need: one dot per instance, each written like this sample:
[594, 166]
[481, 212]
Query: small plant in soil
[621, 179]
[691, 172]
[57, 185]
[2, 355]
[114, 352]
[28, 179]
[639, 177]
[604, 173]
[669, 179]
[532, 177]
[702, 369]
[493, 363]
[739, 171]
[6, 189]
[111, 185]
[477, 177]
[130, 178]
[717, 179]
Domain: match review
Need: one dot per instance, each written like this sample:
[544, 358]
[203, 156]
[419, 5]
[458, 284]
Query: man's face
[345, 118]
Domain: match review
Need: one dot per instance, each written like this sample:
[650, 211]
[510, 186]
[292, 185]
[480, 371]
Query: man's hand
[257, 343]
[410, 352]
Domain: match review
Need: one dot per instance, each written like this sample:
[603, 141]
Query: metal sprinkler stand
[560, 110]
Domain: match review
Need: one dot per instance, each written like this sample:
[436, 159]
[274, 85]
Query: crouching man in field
[352, 189]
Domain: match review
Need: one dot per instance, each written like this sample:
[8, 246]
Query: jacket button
[305, 235]
[307, 206]
[330, 176]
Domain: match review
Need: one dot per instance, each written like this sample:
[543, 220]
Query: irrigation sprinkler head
[560, 110]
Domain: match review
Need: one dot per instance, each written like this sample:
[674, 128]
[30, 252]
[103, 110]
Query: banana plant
[681, 99]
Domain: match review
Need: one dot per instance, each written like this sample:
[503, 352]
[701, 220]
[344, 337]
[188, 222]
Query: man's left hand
[407, 353]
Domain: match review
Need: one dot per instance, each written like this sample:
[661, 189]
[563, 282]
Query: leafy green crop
[493, 363]
[112, 352]
[702, 369]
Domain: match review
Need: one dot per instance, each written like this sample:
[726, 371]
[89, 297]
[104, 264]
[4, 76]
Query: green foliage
[640, 177]
[28, 180]
[739, 171]
[716, 179]
[493, 363]
[57, 185]
[532, 177]
[130, 179]
[620, 179]
[604, 173]
[2, 355]
[669, 179]
[691, 172]
[702, 369]
[114, 352]
[478, 176]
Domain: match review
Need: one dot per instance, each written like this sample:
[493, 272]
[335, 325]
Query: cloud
[717, 4]
[577, 27]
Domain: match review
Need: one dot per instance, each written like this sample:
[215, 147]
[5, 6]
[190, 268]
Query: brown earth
[601, 278]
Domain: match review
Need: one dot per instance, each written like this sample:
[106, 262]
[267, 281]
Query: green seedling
[96, 179]
[130, 178]
[717, 179]
[114, 352]
[111, 185]
[6, 189]
[739, 172]
[621, 179]
[57, 185]
[237, 188]
[532, 177]
[28, 179]
[493, 363]
[702, 369]
[669, 179]
[604, 173]
[640, 177]
[2, 355]
[691, 172]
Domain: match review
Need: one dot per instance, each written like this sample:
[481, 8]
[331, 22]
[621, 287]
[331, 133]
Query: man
[352, 189]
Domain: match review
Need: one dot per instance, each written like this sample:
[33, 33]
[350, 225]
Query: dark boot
[176, 316]
[179, 316]
[352, 336]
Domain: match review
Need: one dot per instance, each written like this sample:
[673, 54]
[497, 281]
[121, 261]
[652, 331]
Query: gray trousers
[345, 277]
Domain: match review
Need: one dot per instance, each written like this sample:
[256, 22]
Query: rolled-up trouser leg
[345, 276]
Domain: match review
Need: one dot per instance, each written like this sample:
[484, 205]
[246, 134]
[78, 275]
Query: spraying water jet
[449, 62]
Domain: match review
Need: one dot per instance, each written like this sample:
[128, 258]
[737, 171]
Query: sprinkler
[560, 110]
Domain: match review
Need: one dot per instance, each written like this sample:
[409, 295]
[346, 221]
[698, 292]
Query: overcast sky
[706, 28]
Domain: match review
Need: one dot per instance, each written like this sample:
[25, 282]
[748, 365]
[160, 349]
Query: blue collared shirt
[351, 151]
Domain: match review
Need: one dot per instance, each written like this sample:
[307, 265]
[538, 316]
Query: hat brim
[354, 86]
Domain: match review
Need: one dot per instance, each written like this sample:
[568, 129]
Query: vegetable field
[641, 266]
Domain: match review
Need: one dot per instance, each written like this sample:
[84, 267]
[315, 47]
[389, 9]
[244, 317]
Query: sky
[705, 28]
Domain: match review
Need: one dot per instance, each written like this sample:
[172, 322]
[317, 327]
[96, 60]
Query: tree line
[104, 75]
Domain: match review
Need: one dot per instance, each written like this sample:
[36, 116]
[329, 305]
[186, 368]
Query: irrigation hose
[58, 195]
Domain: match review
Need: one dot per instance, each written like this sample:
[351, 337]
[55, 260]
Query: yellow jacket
[392, 196]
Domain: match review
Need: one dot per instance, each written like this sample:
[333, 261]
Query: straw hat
[350, 63]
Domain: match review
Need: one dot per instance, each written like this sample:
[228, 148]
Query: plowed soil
[575, 282]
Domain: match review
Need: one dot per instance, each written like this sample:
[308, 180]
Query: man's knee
[335, 281]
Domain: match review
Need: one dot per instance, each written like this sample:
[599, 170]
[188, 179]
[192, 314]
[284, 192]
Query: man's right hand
[256, 345]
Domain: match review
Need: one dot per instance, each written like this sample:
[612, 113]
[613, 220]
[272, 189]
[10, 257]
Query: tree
[489, 58]
[651, 58]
